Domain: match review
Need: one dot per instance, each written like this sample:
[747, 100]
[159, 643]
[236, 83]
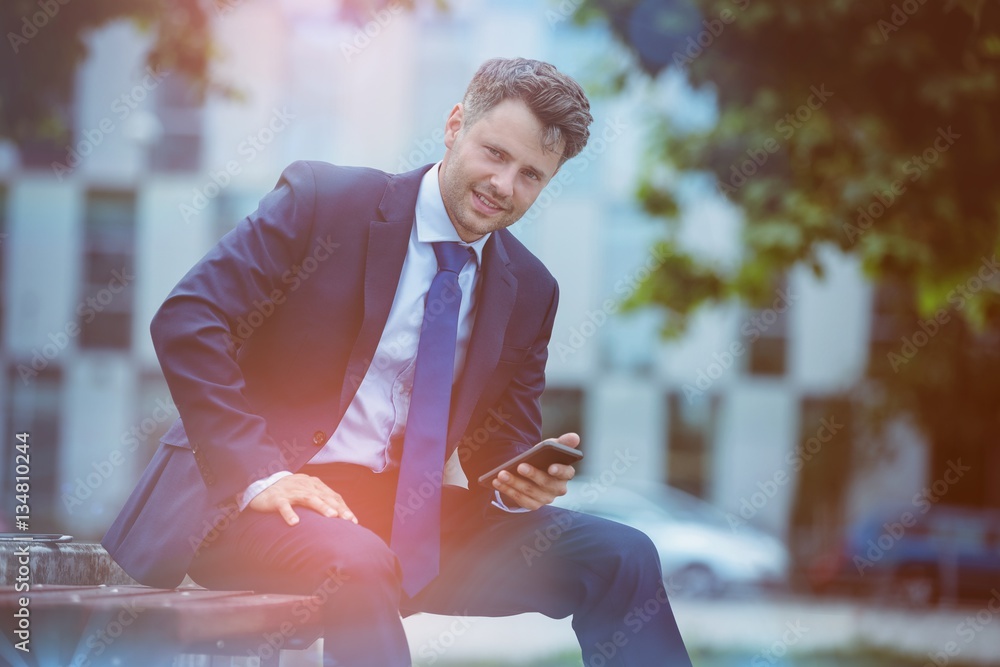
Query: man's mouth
[486, 202]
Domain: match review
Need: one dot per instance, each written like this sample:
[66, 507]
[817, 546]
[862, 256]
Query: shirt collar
[433, 223]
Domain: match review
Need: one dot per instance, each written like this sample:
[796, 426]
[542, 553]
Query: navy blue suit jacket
[265, 341]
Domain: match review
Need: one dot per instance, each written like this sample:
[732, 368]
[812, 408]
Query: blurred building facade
[746, 411]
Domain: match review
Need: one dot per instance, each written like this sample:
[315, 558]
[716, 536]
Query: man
[333, 351]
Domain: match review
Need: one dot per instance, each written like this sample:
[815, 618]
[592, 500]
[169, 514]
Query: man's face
[494, 169]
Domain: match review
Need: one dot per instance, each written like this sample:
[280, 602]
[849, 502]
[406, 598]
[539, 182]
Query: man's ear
[453, 125]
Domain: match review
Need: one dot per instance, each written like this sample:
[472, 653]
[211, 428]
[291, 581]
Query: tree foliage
[871, 127]
[46, 42]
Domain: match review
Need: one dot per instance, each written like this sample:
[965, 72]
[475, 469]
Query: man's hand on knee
[302, 490]
[532, 488]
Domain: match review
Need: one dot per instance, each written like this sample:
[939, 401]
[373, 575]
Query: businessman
[352, 352]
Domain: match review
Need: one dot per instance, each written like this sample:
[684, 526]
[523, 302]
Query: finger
[516, 495]
[525, 488]
[318, 504]
[569, 439]
[334, 500]
[286, 512]
[321, 491]
[345, 511]
[553, 480]
[328, 502]
[561, 471]
[528, 471]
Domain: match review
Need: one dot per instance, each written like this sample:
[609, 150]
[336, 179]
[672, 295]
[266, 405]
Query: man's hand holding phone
[531, 487]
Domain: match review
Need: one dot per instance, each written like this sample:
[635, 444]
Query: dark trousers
[493, 563]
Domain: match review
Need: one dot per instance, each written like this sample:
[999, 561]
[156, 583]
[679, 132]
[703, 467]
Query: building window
[689, 441]
[894, 313]
[562, 412]
[178, 105]
[33, 407]
[767, 333]
[105, 309]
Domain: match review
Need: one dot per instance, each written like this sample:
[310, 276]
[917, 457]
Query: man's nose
[503, 182]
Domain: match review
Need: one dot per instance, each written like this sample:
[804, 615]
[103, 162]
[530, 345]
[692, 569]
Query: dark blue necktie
[416, 526]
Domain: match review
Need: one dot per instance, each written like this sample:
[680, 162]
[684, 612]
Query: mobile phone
[540, 456]
[35, 537]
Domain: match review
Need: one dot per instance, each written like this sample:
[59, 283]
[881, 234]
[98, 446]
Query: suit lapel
[388, 239]
[496, 301]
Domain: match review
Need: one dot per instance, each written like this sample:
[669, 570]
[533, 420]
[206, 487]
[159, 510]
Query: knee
[634, 551]
[639, 544]
[348, 559]
[367, 562]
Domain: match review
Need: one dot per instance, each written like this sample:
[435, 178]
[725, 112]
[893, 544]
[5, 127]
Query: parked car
[701, 554]
[917, 555]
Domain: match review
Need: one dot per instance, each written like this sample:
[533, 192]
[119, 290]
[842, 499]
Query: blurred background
[778, 335]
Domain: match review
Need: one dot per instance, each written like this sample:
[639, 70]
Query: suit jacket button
[319, 438]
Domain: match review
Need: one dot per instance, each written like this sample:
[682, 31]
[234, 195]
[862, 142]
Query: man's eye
[532, 175]
[494, 152]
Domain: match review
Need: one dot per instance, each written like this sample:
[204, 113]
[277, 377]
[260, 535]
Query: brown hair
[557, 100]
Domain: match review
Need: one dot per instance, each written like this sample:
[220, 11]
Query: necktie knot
[451, 256]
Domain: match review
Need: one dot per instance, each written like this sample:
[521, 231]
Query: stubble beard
[456, 199]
